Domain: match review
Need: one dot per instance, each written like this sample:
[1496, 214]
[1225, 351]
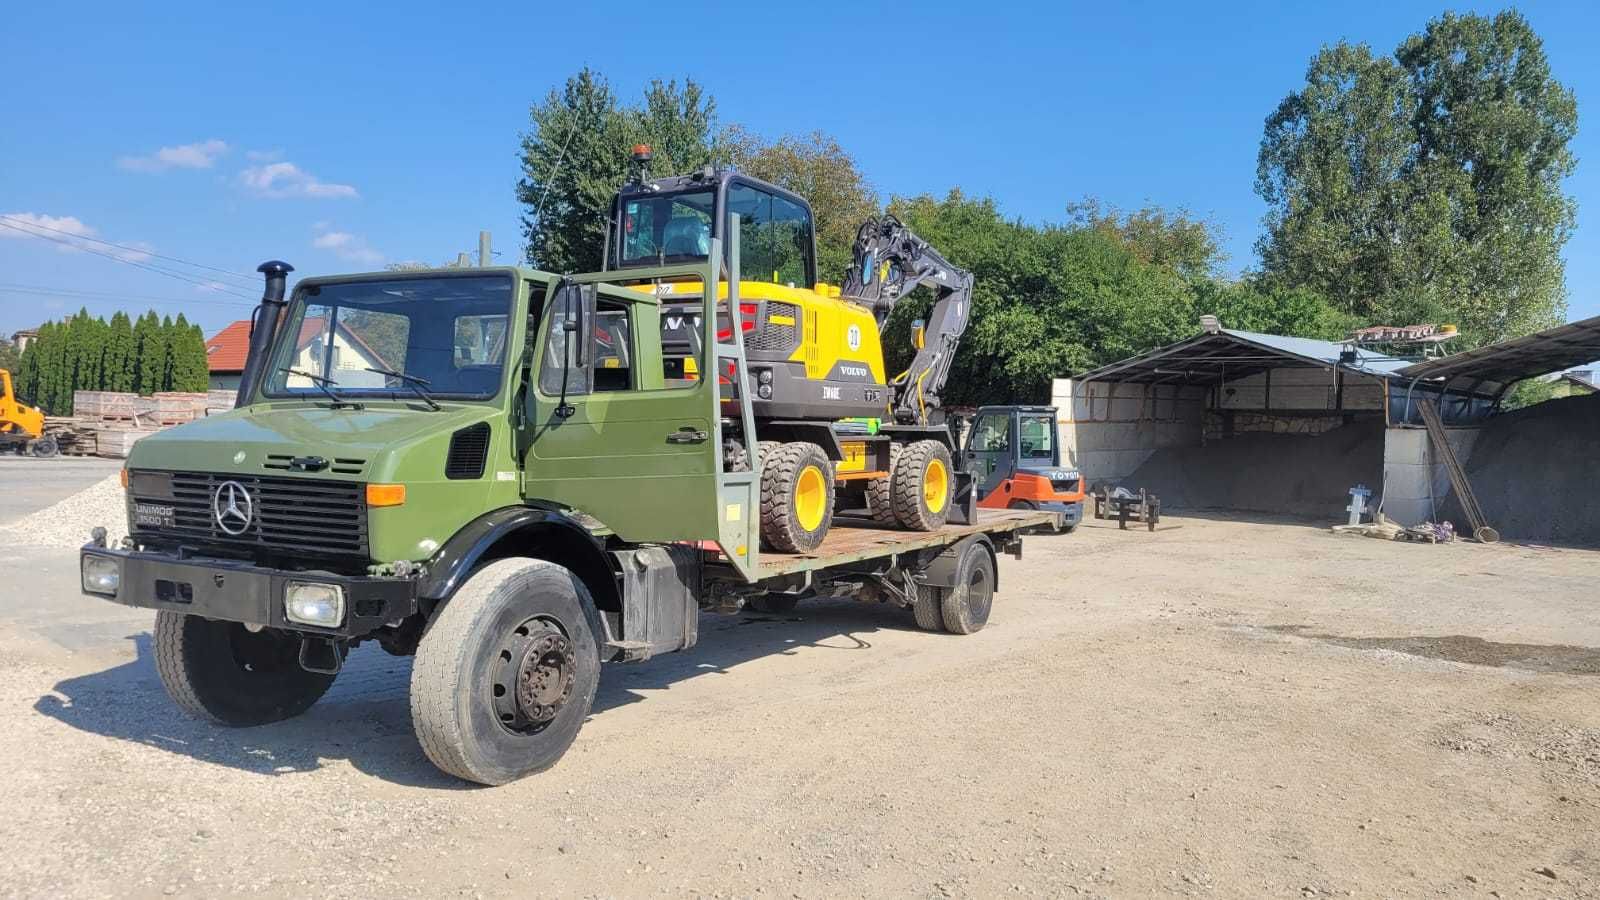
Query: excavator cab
[812, 350]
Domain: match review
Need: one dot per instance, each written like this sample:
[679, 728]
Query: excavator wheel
[44, 447]
[923, 483]
[796, 496]
[880, 494]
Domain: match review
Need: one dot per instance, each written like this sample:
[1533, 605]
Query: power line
[138, 265]
[83, 237]
[46, 291]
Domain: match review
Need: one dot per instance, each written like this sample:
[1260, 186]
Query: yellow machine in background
[21, 427]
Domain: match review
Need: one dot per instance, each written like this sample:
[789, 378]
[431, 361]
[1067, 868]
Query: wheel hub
[534, 676]
[546, 677]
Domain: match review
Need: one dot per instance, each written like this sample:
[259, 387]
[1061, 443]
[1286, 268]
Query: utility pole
[483, 249]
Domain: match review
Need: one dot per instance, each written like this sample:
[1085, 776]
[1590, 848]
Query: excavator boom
[891, 261]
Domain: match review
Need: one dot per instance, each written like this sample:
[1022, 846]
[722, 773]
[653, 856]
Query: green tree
[1426, 186]
[150, 354]
[26, 380]
[119, 359]
[1048, 301]
[818, 169]
[189, 369]
[1258, 304]
[1174, 239]
[576, 157]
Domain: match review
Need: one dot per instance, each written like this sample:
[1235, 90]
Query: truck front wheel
[506, 672]
[223, 672]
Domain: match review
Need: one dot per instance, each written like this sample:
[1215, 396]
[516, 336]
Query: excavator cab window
[667, 229]
[774, 238]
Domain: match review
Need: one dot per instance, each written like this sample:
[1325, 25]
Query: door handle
[687, 436]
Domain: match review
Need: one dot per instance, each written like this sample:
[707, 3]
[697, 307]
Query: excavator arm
[891, 261]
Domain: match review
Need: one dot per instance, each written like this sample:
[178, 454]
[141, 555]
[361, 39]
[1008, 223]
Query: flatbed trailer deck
[852, 542]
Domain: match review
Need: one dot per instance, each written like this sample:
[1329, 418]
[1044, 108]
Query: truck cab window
[613, 350]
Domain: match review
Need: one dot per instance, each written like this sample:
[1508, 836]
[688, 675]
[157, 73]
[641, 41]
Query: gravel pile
[67, 524]
[1533, 472]
[1285, 474]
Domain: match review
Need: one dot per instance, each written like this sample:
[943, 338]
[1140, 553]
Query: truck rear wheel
[506, 672]
[796, 496]
[923, 482]
[928, 607]
[965, 606]
[225, 673]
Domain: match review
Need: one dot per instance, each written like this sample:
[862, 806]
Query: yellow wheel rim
[810, 498]
[936, 485]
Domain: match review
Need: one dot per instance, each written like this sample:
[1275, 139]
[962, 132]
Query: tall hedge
[84, 353]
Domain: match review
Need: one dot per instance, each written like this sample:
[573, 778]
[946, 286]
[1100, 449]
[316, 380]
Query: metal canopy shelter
[1507, 362]
[1227, 355]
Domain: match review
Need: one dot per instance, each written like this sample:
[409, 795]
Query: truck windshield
[667, 228]
[1038, 437]
[450, 332]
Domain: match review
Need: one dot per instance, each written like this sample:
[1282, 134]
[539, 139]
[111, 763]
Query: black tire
[783, 472]
[965, 606]
[774, 604]
[45, 447]
[880, 494]
[467, 684]
[224, 673]
[914, 507]
[927, 608]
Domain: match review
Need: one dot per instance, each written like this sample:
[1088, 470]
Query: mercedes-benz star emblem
[232, 508]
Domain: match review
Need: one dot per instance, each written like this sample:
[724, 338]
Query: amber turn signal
[386, 494]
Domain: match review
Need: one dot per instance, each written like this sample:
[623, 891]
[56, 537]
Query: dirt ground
[1219, 709]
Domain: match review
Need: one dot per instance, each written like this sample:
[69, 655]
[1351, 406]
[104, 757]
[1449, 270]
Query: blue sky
[342, 136]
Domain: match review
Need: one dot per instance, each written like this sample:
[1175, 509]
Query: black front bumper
[239, 592]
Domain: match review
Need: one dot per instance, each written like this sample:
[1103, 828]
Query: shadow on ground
[365, 718]
[1560, 659]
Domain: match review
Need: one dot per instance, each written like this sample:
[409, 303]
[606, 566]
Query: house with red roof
[349, 355]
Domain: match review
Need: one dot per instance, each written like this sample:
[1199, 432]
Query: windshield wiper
[325, 385]
[415, 383]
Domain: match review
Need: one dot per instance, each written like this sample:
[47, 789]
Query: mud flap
[964, 506]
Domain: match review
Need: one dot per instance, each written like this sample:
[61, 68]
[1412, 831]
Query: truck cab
[1015, 458]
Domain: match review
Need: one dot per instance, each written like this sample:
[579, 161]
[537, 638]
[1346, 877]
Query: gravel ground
[1217, 709]
[66, 524]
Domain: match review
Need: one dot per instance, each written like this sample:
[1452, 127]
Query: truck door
[611, 436]
[989, 449]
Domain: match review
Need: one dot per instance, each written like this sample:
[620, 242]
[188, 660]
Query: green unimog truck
[494, 470]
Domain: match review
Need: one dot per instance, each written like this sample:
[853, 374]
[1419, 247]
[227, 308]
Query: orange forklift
[1015, 462]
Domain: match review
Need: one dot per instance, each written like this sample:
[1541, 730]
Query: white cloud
[68, 233]
[202, 155]
[348, 247]
[285, 179]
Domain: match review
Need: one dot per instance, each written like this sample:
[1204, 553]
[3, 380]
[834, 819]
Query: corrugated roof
[1540, 353]
[1230, 353]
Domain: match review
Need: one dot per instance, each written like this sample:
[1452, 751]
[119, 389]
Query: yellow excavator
[813, 350]
[22, 427]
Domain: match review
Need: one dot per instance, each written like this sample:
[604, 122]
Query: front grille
[772, 336]
[298, 515]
